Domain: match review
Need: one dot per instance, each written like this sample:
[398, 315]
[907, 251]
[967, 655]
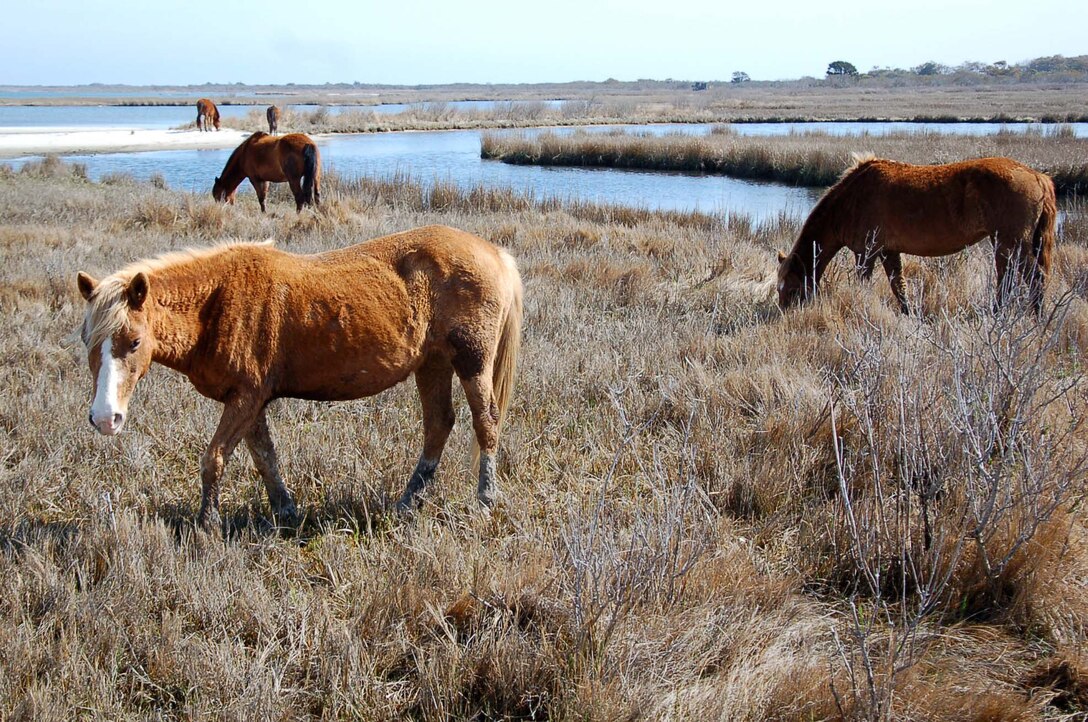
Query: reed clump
[811, 158]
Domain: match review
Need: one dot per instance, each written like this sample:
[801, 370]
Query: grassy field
[809, 158]
[710, 510]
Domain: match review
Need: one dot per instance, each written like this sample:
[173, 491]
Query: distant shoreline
[80, 142]
[984, 100]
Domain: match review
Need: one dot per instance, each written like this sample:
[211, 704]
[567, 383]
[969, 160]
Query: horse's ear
[136, 293]
[781, 256]
[86, 284]
[217, 179]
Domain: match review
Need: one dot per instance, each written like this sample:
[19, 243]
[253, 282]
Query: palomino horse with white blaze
[264, 159]
[273, 116]
[880, 209]
[205, 111]
[248, 323]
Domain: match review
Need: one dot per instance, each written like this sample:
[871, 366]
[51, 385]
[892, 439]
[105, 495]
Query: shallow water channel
[454, 156]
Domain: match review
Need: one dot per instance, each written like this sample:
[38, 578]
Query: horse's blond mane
[107, 308]
[857, 160]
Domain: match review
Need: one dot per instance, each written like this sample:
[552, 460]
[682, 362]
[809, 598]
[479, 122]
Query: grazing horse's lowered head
[117, 334]
[220, 192]
[794, 284]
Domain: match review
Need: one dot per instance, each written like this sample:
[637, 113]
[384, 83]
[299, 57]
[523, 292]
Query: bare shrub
[950, 491]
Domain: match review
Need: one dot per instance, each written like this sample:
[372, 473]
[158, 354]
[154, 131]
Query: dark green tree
[841, 67]
[930, 68]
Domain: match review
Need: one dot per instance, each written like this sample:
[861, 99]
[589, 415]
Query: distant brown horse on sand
[205, 111]
[880, 209]
[248, 323]
[273, 115]
[266, 159]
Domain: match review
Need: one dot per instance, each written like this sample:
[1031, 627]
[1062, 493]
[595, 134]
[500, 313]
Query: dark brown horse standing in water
[291, 158]
[248, 323]
[205, 111]
[273, 115]
[880, 209]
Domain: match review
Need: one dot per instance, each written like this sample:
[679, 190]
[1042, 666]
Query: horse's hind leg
[1033, 274]
[893, 266]
[479, 391]
[259, 441]
[1009, 253]
[434, 381]
[296, 191]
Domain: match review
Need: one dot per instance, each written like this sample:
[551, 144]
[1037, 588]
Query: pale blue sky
[431, 41]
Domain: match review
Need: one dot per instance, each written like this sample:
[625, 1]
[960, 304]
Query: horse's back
[933, 210]
[442, 252]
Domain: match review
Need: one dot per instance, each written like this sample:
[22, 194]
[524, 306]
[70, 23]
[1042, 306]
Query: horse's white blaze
[106, 403]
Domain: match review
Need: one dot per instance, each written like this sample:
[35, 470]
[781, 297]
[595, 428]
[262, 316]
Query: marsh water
[454, 157]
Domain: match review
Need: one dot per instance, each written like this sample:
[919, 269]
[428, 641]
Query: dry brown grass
[674, 540]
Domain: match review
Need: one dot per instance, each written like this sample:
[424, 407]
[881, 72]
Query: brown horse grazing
[881, 208]
[205, 111]
[248, 323]
[264, 159]
[273, 115]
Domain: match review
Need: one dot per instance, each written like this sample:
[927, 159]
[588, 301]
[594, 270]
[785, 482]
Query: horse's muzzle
[108, 425]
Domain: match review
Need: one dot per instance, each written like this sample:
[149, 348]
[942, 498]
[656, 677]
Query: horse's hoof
[287, 517]
[406, 508]
[210, 524]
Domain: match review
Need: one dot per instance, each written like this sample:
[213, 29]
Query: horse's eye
[135, 345]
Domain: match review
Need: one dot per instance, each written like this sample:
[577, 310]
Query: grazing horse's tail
[1042, 241]
[311, 175]
[506, 357]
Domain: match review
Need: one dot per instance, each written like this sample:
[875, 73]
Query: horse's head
[793, 286]
[117, 333]
[219, 192]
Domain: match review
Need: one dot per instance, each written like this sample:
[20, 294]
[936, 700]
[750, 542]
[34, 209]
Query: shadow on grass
[368, 514]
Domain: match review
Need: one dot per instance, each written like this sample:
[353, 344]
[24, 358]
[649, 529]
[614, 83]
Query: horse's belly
[345, 389]
[342, 375]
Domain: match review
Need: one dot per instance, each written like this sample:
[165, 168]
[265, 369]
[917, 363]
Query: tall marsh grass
[810, 158]
[710, 510]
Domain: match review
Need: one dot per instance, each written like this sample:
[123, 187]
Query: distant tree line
[1054, 67]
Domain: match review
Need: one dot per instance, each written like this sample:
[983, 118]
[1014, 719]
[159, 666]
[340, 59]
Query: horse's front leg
[238, 418]
[259, 441]
[261, 187]
[893, 266]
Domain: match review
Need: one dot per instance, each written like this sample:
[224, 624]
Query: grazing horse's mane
[236, 154]
[107, 308]
[803, 255]
[859, 162]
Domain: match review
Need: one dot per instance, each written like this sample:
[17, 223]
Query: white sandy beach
[15, 142]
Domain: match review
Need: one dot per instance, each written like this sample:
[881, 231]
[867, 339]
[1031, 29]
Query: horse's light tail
[1042, 242]
[311, 171]
[506, 358]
